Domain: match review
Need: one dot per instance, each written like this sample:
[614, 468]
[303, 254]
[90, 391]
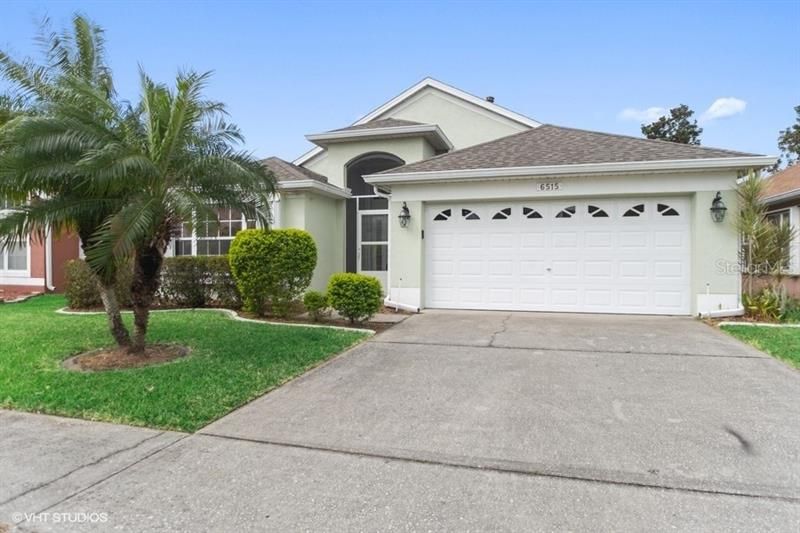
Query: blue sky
[286, 69]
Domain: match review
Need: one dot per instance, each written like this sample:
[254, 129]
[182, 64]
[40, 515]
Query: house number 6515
[548, 186]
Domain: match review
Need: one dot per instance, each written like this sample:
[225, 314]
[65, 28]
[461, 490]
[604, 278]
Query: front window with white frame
[212, 237]
[14, 259]
[789, 218]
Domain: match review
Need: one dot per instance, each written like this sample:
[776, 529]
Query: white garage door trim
[617, 255]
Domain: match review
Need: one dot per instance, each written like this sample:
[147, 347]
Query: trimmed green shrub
[202, 281]
[355, 296]
[272, 267]
[81, 287]
[316, 303]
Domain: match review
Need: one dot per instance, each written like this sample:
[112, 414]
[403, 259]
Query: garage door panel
[560, 256]
[470, 268]
[564, 297]
[633, 239]
[564, 269]
[598, 270]
[599, 239]
[633, 269]
[565, 239]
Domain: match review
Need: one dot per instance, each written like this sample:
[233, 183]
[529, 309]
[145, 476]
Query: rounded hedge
[355, 296]
[272, 267]
[316, 303]
[82, 289]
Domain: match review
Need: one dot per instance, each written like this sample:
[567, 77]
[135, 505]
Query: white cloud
[723, 107]
[648, 115]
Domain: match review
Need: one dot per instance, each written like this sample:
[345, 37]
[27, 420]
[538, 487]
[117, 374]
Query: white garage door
[600, 256]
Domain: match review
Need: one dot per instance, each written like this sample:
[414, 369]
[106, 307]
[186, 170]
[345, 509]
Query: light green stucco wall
[405, 245]
[332, 163]
[714, 245]
[323, 217]
[464, 123]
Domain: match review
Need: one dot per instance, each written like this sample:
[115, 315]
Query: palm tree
[39, 170]
[173, 160]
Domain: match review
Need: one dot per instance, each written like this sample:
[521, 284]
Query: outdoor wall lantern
[718, 208]
[404, 216]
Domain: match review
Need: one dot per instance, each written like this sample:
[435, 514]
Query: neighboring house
[34, 266]
[507, 213]
[782, 196]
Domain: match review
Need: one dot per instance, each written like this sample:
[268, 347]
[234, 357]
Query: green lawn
[231, 363]
[783, 343]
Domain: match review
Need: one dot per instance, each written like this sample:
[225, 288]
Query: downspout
[48, 260]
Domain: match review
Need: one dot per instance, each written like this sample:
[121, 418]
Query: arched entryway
[367, 222]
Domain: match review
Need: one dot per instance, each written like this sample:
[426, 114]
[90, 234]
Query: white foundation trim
[22, 281]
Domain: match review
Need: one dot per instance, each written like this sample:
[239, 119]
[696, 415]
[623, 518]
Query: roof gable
[380, 113]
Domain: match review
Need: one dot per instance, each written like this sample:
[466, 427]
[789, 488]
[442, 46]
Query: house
[36, 265]
[782, 197]
[454, 201]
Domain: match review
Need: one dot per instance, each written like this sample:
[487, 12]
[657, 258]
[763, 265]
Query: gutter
[367, 133]
[325, 189]
[782, 197]
[680, 165]
[48, 261]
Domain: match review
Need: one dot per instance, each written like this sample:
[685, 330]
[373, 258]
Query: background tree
[677, 127]
[789, 140]
[42, 173]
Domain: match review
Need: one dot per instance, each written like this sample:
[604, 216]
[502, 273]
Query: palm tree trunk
[118, 330]
[108, 296]
[146, 271]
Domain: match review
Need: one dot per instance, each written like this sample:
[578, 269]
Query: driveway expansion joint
[484, 466]
[107, 477]
[81, 467]
[377, 340]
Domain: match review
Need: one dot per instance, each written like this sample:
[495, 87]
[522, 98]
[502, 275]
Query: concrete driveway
[490, 421]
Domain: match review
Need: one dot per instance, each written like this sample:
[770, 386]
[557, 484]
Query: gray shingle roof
[285, 171]
[383, 123]
[555, 145]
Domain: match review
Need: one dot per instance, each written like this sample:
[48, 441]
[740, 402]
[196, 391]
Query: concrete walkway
[457, 421]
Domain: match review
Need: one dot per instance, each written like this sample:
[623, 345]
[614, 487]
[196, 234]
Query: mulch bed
[117, 359]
